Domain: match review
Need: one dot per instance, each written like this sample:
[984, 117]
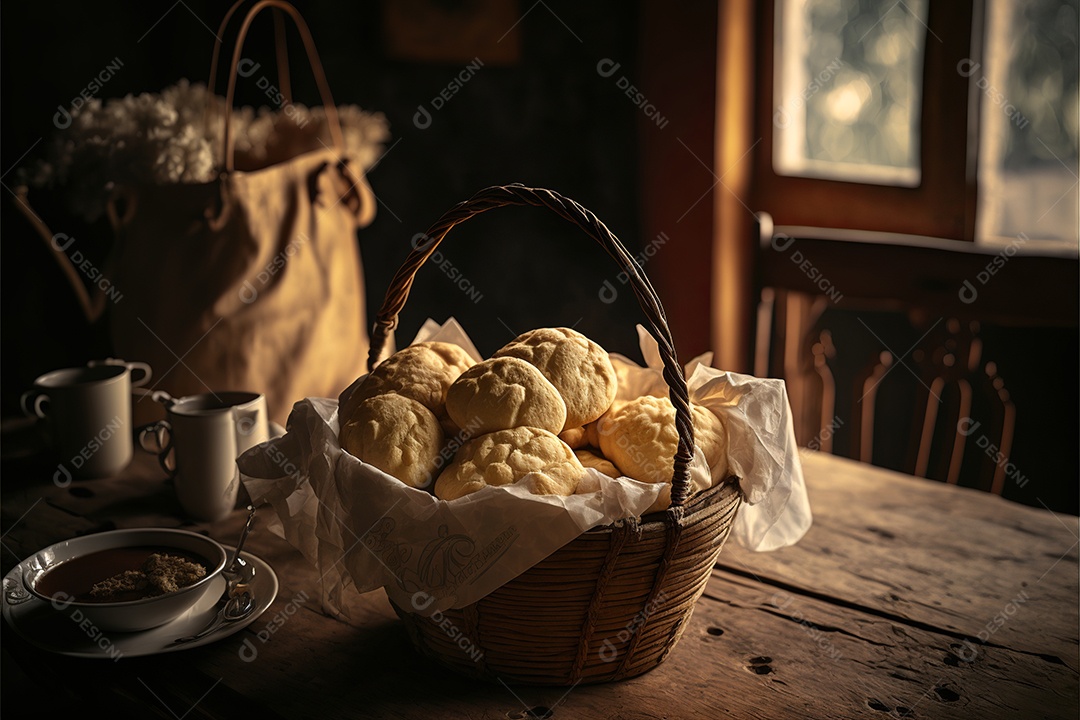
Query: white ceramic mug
[88, 410]
[198, 443]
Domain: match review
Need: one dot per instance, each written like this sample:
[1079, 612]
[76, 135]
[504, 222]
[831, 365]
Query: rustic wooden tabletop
[907, 598]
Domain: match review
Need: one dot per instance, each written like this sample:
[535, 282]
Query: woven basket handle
[502, 196]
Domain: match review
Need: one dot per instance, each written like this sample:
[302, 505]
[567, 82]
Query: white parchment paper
[365, 529]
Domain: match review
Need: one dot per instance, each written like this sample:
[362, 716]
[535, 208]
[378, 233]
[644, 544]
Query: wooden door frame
[697, 61]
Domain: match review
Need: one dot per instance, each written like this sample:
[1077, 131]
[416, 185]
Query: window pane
[1027, 89]
[848, 79]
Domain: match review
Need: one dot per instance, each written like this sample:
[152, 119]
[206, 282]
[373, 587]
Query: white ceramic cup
[88, 410]
[198, 443]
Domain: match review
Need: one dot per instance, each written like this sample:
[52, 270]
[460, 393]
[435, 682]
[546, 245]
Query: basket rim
[694, 504]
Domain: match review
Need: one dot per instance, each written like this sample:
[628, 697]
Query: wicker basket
[612, 603]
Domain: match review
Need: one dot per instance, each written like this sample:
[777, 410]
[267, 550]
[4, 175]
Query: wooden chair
[860, 387]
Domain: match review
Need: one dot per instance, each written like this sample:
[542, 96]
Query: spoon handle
[237, 608]
[213, 625]
[243, 536]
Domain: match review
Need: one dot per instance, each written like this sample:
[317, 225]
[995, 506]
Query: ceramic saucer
[61, 631]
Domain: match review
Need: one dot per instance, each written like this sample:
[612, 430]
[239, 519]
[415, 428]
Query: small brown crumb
[126, 582]
[160, 574]
[168, 573]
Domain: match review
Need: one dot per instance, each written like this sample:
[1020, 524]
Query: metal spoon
[237, 601]
[237, 571]
[236, 608]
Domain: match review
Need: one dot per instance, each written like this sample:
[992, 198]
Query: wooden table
[907, 598]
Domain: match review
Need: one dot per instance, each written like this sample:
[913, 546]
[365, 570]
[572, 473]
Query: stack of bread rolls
[542, 406]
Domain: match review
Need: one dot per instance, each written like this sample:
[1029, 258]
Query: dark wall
[548, 120]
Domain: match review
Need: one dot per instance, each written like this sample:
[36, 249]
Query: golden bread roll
[578, 367]
[396, 434]
[575, 437]
[640, 437]
[592, 434]
[590, 459]
[504, 393]
[592, 430]
[422, 372]
[506, 456]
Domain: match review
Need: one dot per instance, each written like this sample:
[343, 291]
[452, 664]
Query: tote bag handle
[332, 120]
[281, 52]
[92, 305]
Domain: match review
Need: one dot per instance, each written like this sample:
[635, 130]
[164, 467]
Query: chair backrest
[960, 418]
[897, 386]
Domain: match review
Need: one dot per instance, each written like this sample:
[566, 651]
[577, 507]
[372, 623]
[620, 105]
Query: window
[1027, 87]
[953, 120]
[849, 90]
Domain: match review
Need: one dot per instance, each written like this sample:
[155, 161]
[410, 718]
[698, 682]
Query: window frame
[943, 204]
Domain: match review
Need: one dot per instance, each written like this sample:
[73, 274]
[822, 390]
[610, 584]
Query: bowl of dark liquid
[126, 580]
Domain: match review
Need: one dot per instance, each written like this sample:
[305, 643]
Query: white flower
[171, 137]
